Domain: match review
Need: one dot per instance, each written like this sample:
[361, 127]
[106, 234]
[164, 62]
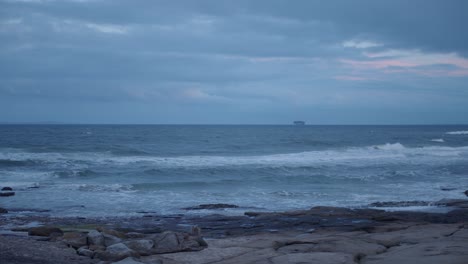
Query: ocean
[124, 170]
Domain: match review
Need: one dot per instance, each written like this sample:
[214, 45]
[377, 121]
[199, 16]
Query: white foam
[457, 133]
[390, 146]
[385, 154]
[440, 140]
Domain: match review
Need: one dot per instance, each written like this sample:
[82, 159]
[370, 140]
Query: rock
[169, 242]
[84, 251]
[110, 240]
[195, 231]
[399, 204]
[135, 235]
[95, 238]
[6, 194]
[252, 214]
[74, 239]
[112, 232]
[212, 206]
[96, 247]
[143, 246]
[128, 260]
[353, 246]
[460, 203]
[45, 231]
[116, 252]
[7, 189]
[430, 252]
[466, 192]
[3, 211]
[315, 257]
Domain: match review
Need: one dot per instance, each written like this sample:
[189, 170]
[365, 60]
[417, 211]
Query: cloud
[108, 29]
[268, 60]
[412, 61]
[360, 44]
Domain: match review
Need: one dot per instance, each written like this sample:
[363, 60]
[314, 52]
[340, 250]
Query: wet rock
[252, 214]
[7, 189]
[84, 251]
[95, 238]
[212, 206]
[6, 194]
[460, 203]
[399, 204]
[447, 188]
[110, 240]
[142, 246]
[116, 252]
[3, 211]
[75, 239]
[45, 231]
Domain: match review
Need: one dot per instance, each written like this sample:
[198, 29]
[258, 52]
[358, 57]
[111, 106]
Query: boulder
[95, 238]
[169, 242]
[110, 240]
[45, 231]
[112, 232]
[142, 246]
[3, 211]
[7, 189]
[74, 239]
[84, 251]
[6, 194]
[116, 252]
[96, 247]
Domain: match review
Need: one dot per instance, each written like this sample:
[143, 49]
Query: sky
[234, 62]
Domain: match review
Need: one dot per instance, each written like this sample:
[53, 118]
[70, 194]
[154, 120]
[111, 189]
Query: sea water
[123, 170]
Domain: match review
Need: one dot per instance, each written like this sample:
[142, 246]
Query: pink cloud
[378, 64]
[409, 61]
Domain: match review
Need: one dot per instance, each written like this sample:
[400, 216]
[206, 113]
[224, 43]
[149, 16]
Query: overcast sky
[242, 61]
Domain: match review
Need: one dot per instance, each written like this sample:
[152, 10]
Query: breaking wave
[457, 133]
[385, 153]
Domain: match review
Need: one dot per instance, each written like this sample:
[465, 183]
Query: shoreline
[304, 233]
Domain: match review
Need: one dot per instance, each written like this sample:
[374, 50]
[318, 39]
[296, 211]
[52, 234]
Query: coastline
[318, 235]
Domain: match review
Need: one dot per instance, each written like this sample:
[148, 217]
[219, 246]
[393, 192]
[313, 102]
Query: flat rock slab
[436, 252]
[316, 257]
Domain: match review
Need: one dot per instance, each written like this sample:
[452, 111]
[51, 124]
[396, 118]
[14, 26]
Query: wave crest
[390, 146]
[457, 133]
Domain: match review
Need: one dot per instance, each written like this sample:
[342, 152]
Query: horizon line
[233, 124]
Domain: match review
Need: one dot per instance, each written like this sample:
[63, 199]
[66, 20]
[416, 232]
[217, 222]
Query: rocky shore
[318, 235]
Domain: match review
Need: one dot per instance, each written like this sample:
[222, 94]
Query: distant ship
[299, 123]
